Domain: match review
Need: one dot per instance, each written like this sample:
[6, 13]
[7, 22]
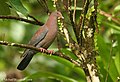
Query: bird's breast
[48, 40]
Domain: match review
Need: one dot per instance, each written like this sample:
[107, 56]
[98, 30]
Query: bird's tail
[26, 59]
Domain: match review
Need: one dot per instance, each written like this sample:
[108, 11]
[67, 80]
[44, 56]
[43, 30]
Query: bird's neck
[52, 21]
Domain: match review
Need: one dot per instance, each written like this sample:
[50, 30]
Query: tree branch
[37, 49]
[33, 18]
[114, 19]
[36, 22]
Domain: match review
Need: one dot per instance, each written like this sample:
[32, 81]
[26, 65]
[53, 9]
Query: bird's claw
[42, 50]
[51, 51]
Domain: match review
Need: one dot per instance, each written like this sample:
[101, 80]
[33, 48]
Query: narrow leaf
[48, 75]
[109, 64]
[69, 27]
[18, 6]
[117, 56]
[117, 8]
[70, 65]
[69, 53]
[112, 26]
[4, 8]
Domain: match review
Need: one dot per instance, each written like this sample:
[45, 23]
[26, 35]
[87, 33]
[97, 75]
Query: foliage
[107, 42]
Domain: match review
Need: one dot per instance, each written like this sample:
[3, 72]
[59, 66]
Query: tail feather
[26, 60]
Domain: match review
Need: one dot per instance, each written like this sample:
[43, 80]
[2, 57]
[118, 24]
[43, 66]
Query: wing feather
[38, 37]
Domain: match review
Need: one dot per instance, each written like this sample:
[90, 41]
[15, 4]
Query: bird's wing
[38, 36]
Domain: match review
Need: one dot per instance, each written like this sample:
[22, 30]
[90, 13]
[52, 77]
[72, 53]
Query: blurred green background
[107, 43]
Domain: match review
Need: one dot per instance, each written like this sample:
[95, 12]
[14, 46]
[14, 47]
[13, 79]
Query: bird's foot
[51, 51]
[48, 51]
[42, 50]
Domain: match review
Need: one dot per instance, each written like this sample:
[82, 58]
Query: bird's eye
[57, 13]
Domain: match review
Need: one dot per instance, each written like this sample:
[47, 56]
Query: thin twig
[95, 15]
[116, 20]
[22, 19]
[83, 18]
[74, 11]
[33, 18]
[37, 49]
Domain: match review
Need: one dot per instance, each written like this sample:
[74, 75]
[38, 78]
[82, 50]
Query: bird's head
[57, 14]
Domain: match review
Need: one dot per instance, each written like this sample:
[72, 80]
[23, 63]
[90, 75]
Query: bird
[42, 39]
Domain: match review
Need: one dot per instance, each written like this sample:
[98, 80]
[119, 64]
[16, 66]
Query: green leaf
[104, 52]
[117, 62]
[4, 8]
[70, 65]
[117, 56]
[112, 26]
[103, 49]
[69, 27]
[48, 75]
[69, 53]
[117, 8]
[118, 38]
[72, 33]
[18, 6]
[103, 71]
